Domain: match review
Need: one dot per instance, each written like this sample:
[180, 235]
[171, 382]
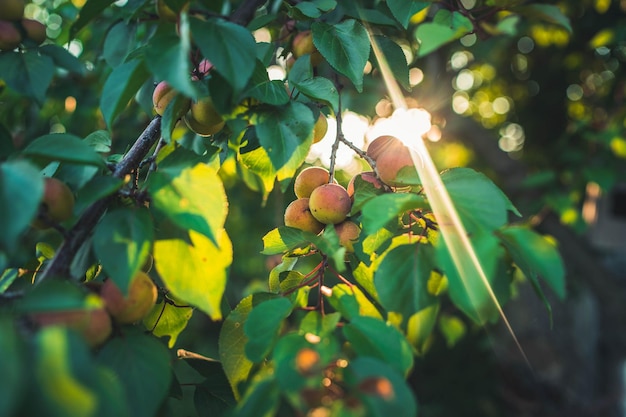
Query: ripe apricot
[348, 233]
[367, 176]
[141, 298]
[320, 128]
[298, 215]
[309, 179]
[57, 203]
[93, 324]
[393, 161]
[203, 118]
[35, 30]
[10, 37]
[330, 203]
[302, 44]
[12, 9]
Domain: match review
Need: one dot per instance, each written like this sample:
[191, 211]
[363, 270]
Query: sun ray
[452, 229]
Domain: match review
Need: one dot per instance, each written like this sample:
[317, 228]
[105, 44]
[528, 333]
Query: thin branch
[245, 12]
[335, 148]
[59, 266]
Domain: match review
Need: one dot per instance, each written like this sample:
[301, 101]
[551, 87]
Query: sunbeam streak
[452, 229]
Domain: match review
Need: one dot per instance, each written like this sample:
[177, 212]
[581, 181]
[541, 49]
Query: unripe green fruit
[299, 216]
[12, 9]
[10, 37]
[35, 30]
[203, 118]
[320, 128]
[309, 179]
[348, 233]
[93, 324]
[330, 203]
[141, 298]
[57, 203]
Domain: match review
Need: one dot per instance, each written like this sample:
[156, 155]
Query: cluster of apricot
[320, 202]
[95, 323]
[14, 28]
[199, 115]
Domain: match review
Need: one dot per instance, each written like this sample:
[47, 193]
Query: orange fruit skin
[330, 203]
[12, 9]
[348, 233]
[10, 37]
[141, 298]
[309, 179]
[35, 30]
[298, 215]
[93, 324]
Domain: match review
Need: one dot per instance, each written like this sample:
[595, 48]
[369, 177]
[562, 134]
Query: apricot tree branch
[59, 266]
[245, 12]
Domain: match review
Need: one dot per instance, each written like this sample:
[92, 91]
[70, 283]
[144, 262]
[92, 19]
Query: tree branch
[245, 12]
[59, 266]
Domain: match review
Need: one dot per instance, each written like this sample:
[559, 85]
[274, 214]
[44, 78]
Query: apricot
[309, 179]
[93, 324]
[35, 30]
[12, 9]
[162, 96]
[141, 298]
[10, 37]
[320, 128]
[203, 118]
[57, 203]
[302, 44]
[348, 233]
[330, 203]
[367, 176]
[298, 215]
[204, 67]
[393, 161]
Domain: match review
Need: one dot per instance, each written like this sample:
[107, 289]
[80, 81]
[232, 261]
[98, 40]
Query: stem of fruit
[59, 266]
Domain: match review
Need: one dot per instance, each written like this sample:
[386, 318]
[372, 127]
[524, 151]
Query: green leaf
[12, 368]
[535, 256]
[402, 10]
[445, 28]
[452, 328]
[122, 241]
[167, 57]
[63, 58]
[193, 198]
[351, 302]
[380, 210]
[168, 320]
[174, 111]
[345, 46]
[28, 73]
[394, 58]
[363, 192]
[96, 189]
[63, 147]
[383, 390]
[479, 202]
[232, 341]
[320, 325]
[401, 279]
[100, 141]
[374, 338]
[118, 43]
[21, 190]
[142, 364]
[420, 327]
[270, 92]
[471, 291]
[195, 272]
[230, 47]
[286, 133]
[90, 10]
[262, 326]
[213, 397]
[261, 399]
[120, 87]
[547, 12]
[319, 89]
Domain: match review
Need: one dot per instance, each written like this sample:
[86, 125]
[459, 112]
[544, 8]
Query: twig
[335, 148]
[245, 12]
[59, 266]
